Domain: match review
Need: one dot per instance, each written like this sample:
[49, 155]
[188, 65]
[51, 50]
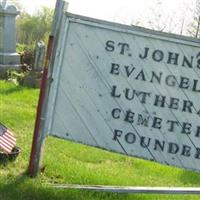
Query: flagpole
[39, 135]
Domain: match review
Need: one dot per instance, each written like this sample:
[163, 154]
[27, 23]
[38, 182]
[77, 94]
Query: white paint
[80, 101]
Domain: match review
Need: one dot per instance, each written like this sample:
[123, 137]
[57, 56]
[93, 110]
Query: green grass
[67, 162]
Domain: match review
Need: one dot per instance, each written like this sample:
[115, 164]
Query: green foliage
[20, 48]
[15, 76]
[32, 28]
[68, 162]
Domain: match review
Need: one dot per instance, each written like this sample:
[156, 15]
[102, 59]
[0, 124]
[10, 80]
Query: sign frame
[40, 127]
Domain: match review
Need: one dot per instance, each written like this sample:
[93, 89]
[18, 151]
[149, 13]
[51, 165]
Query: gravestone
[9, 59]
[34, 77]
[39, 56]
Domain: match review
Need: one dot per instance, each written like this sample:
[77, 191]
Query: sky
[123, 11]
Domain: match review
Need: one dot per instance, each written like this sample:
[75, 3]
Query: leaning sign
[126, 89]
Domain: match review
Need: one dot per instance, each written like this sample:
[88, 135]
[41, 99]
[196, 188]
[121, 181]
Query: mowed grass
[70, 163]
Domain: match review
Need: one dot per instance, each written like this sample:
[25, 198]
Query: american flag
[7, 140]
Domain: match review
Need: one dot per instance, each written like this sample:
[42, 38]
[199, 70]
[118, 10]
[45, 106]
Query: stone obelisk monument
[9, 59]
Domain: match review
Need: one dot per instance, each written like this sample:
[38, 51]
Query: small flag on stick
[7, 139]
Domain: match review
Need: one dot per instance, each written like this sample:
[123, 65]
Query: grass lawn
[67, 162]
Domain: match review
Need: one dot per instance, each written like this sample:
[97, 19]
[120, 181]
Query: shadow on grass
[190, 177]
[25, 188]
[13, 89]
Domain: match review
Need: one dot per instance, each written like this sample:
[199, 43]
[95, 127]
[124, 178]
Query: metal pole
[39, 135]
[132, 189]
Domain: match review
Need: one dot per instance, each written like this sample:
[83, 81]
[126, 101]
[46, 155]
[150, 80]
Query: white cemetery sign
[126, 89]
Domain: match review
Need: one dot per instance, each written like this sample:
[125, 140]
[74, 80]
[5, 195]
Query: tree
[159, 18]
[32, 28]
[194, 27]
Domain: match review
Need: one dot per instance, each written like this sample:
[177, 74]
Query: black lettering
[184, 83]
[124, 47]
[158, 55]
[117, 133]
[157, 77]
[187, 106]
[197, 155]
[158, 144]
[142, 142]
[186, 151]
[129, 94]
[186, 128]
[141, 75]
[173, 148]
[145, 53]
[128, 71]
[198, 113]
[143, 120]
[172, 57]
[173, 103]
[143, 95]
[110, 46]
[187, 62]
[130, 138]
[129, 116]
[115, 68]
[194, 88]
[172, 125]
[170, 80]
[160, 101]
[114, 93]
[157, 122]
[198, 60]
[198, 132]
[116, 113]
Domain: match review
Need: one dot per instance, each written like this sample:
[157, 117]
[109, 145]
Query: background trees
[32, 28]
[194, 27]
[184, 21]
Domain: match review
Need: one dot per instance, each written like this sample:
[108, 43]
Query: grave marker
[9, 59]
[39, 56]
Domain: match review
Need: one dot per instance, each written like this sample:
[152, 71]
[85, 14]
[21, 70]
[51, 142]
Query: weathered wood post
[39, 131]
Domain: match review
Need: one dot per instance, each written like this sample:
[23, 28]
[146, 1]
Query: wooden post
[39, 135]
